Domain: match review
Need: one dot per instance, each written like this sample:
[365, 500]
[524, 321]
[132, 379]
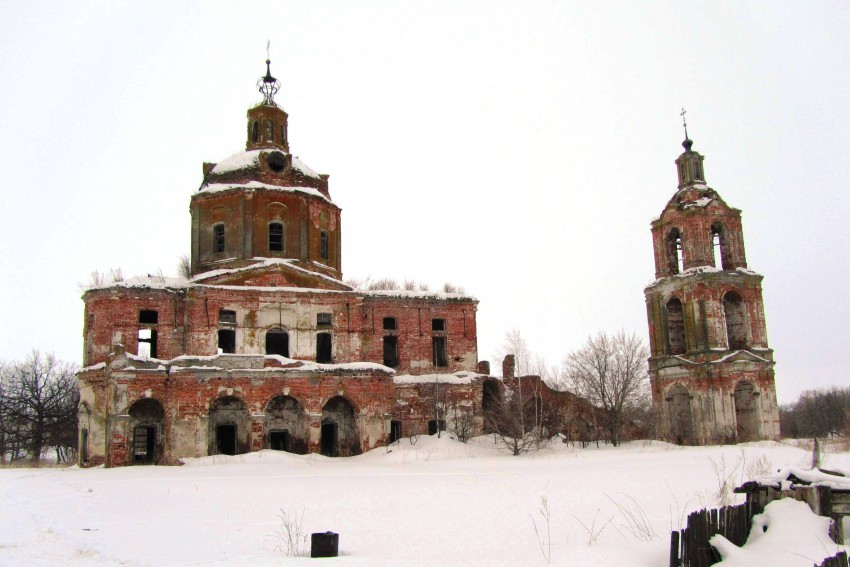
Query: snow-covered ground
[437, 502]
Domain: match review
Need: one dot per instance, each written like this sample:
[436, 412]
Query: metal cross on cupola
[268, 85]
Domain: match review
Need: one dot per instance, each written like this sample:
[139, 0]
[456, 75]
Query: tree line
[38, 409]
[817, 413]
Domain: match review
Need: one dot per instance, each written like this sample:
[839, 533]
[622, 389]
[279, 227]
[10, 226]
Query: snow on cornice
[732, 354]
[145, 282]
[219, 187]
[414, 294]
[701, 202]
[265, 263]
[230, 363]
[456, 378]
[704, 270]
[251, 158]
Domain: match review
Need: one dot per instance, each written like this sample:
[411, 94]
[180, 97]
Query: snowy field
[433, 503]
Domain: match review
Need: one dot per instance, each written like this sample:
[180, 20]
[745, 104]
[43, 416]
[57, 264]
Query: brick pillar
[484, 367]
[508, 366]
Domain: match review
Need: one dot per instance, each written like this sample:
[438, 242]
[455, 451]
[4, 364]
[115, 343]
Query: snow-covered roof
[251, 158]
[414, 294]
[218, 187]
[782, 478]
[264, 263]
[456, 378]
[148, 282]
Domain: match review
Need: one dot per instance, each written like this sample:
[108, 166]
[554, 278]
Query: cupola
[267, 122]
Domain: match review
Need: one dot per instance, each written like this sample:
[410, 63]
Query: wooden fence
[839, 560]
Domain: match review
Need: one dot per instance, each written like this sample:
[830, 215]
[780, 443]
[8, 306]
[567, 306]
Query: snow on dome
[251, 158]
[304, 168]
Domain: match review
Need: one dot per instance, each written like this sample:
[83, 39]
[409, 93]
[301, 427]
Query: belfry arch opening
[277, 342]
[746, 412]
[681, 416]
[673, 249]
[675, 312]
[340, 437]
[736, 321]
[146, 426]
[286, 425]
[720, 246]
[229, 424]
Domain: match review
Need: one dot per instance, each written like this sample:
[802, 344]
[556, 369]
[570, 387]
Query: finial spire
[688, 142]
[268, 85]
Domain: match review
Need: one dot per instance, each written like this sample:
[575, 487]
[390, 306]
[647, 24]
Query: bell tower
[710, 368]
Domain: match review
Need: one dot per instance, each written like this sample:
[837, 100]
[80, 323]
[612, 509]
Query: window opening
[225, 438]
[675, 256]
[84, 446]
[439, 348]
[226, 341]
[395, 430]
[390, 324]
[226, 317]
[391, 351]
[323, 348]
[434, 424]
[276, 237]
[255, 132]
[269, 131]
[721, 252]
[675, 327]
[697, 170]
[148, 317]
[330, 437]
[323, 252]
[144, 445]
[279, 440]
[283, 134]
[277, 342]
[218, 238]
[438, 324]
[147, 343]
[323, 319]
[736, 328]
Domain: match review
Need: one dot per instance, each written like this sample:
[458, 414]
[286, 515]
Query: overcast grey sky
[519, 149]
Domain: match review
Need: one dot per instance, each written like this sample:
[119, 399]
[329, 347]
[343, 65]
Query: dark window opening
[225, 439]
[439, 348]
[323, 319]
[434, 424]
[226, 317]
[391, 351]
[269, 131]
[330, 445]
[218, 238]
[438, 324]
[390, 324]
[277, 342]
[147, 343]
[279, 440]
[395, 430]
[675, 327]
[323, 252]
[697, 170]
[255, 132]
[144, 445]
[283, 134]
[276, 237]
[675, 256]
[226, 341]
[323, 347]
[148, 317]
[84, 446]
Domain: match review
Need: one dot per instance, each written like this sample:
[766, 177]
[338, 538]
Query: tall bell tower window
[269, 131]
[218, 238]
[323, 244]
[255, 131]
[673, 246]
[276, 237]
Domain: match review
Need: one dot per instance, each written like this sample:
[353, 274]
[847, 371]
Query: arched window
[673, 245]
[218, 238]
[675, 327]
[736, 321]
[720, 246]
[255, 132]
[269, 131]
[277, 342]
[275, 237]
[323, 245]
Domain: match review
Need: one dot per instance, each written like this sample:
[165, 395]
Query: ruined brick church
[710, 369]
[264, 346]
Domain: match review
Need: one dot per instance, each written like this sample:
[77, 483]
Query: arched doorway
[681, 418]
[146, 418]
[340, 437]
[286, 425]
[229, 427]
[277, 342]
[746, 412]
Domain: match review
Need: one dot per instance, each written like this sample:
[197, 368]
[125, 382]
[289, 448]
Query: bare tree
[184, 266]
[39, 406]
[610, 372]
[512, 418]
